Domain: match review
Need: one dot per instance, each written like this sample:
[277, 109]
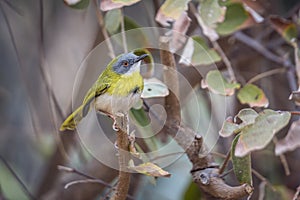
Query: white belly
[112, 105]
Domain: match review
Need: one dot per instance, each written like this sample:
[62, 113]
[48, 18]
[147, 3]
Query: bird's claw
[115, 126]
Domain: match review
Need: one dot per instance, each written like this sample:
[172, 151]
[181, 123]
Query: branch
[124, 156]
[204, 171]
[283, 159]
[269, 55]
[123, 33]
[104, 31]
[297, 193]
[72, 170]
[266, 74]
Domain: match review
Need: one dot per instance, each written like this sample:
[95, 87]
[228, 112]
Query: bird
[117, 89]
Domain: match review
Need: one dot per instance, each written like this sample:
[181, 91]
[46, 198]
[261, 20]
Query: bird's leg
[123, 120]
[114, 126]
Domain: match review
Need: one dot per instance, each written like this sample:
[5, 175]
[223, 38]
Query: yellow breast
[121, 95]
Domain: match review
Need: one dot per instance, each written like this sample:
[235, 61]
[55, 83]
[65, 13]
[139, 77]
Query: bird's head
[127, 63]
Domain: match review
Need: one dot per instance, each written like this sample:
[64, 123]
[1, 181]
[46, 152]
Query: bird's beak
[141, 57]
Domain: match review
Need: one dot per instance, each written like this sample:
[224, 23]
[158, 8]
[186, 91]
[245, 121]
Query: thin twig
[266, 74]
[105, 196]
[225, 163]
[23, 186]
[88, 177]
[226, 173]
[297, 194]
[295, 112]
[218, 154]
[83, 181]
[297, 61]
[269, 55]
[123, 33]
[72, 170]
[104, 31]
[262, 178]
[283, 159]
[262, 188]
[261, 49]
[225, 60]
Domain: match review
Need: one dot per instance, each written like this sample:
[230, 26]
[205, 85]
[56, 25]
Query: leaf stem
[266, 74]
[283, 159]
[104, 31]
[225, 163]
[123, 32]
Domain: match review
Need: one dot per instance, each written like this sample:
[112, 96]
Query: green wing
[99, 87]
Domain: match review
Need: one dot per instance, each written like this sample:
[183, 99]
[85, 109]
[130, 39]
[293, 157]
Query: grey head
[127, 62]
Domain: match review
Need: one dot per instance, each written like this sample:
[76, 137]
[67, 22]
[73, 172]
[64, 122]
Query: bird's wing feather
[99, 88]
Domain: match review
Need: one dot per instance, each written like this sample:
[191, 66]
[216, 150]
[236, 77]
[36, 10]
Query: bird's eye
[125, 63]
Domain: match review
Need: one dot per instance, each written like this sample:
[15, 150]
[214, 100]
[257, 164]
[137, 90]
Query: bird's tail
[73, 119]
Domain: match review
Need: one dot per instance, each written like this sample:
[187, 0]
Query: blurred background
[43, 44]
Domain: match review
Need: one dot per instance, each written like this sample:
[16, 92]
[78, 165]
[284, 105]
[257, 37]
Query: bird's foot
[115, 126]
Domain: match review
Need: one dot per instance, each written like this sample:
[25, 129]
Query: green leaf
[253, 96]
[171, 10]
[257, 135]
[247, 116]
[140, 116]
[196, 52]
[235, 17]
[192, 192]
[241, 165]
[217, 84]
[112, 21]
[291, 141]
[287, 29]
[211, 12]
[144, 127]
[77, 4]
[150, 169]
[229, 127]
[154, 88]
[203, 54]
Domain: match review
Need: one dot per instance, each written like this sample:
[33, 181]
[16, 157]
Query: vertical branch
[104, 31]
[124, 156]
[204, 172]
[123, 32]
[171, 80]
[297, 62]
